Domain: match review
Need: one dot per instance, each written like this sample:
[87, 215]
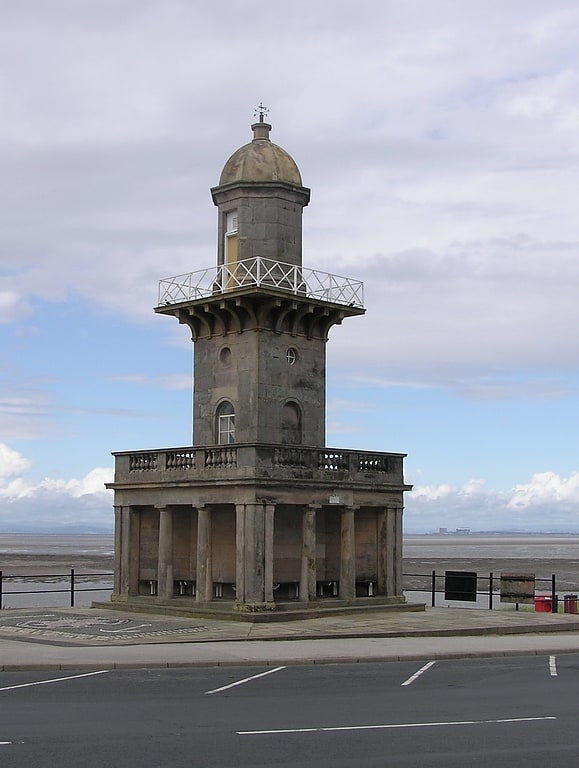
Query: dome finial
[260, 111]
[261, 129]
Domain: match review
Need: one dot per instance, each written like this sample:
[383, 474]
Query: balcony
[258, 462]
[259, 272]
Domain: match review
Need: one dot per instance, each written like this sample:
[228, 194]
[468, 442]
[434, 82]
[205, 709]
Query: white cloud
[545, 488]
[11, 306]
[547, 502]
[11, 463]
[52, 504]
[176, 381]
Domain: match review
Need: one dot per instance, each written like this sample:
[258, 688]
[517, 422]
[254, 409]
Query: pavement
[93, 638]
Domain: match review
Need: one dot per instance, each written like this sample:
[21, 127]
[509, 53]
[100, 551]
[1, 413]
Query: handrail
[261, 272]
[72, 589]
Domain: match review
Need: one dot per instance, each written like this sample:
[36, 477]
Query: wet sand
[23, 565]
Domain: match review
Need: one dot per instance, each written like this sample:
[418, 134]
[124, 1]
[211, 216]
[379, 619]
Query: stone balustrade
[256, 460]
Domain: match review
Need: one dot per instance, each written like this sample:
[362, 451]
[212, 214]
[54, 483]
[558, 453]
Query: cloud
[439, 140]
[174, 381]
[11, 306]
[52, 505]
[11, 462]
[469, 317]
[547, 502]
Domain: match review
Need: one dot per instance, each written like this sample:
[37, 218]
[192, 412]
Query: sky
[440, 139]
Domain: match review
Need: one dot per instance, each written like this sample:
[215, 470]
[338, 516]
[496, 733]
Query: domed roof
[260, 161]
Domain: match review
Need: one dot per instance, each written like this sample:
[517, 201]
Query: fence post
[72, 587]
[554, 606]
[0, 590]
[490, 591]
[433, 588]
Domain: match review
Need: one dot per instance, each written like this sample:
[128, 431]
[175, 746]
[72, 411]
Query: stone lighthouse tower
[258, 517]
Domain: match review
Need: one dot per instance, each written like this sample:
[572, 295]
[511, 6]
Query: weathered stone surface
[258, 514]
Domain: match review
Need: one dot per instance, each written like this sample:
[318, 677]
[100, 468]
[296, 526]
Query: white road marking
[552, 666]
[395, 725]
[4, 743]
[54, 680]
[245, 680]
[413, 677]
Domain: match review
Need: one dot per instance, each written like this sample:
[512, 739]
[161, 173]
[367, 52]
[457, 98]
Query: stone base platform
[281, 612]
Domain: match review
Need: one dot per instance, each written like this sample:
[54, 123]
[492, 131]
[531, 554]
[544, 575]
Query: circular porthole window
[291, 356]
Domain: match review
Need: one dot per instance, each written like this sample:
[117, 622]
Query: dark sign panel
[518, 588]
[460, 585]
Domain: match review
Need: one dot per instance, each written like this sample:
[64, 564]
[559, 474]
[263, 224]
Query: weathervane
[260, 112]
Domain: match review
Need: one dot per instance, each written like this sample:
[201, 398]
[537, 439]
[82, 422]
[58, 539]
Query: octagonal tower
[258, 516]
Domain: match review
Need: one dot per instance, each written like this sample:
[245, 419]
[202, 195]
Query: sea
[36, 570]
[36, 567]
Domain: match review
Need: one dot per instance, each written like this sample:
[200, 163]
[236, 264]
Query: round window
[291, 356]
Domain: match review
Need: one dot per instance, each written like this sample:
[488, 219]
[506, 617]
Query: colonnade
[254, 553]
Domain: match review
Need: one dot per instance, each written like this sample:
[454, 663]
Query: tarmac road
[504, 712]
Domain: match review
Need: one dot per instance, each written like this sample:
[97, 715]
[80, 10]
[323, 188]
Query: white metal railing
[261, 272]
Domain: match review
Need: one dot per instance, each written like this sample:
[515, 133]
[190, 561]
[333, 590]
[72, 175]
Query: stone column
[308, 566]
[128, 551]
[398, 589]
[119, 575]
[165, 562]
[254, 555]
[382, 551]
[132, 549]
[240, 553]
[269, 522]
[347, 555]
[390, 552]
[204, 576]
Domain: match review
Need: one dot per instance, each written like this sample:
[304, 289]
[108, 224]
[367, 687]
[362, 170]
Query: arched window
[225, 423]
[291, 424]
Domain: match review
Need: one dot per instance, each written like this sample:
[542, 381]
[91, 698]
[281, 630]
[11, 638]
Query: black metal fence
[70, 578]
[436, 583]
[431, 583]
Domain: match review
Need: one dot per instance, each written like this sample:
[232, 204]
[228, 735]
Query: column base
[250, 607]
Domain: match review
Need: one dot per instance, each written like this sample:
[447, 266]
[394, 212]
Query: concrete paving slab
[60, 639]
[89, 626]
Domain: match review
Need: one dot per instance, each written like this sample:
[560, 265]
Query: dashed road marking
[245, 680]
[54, 680]
[552, 666]
[396, 725]
[423, 669]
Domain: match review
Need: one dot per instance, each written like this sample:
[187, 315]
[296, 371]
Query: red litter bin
[543, 603]
[570, 603]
